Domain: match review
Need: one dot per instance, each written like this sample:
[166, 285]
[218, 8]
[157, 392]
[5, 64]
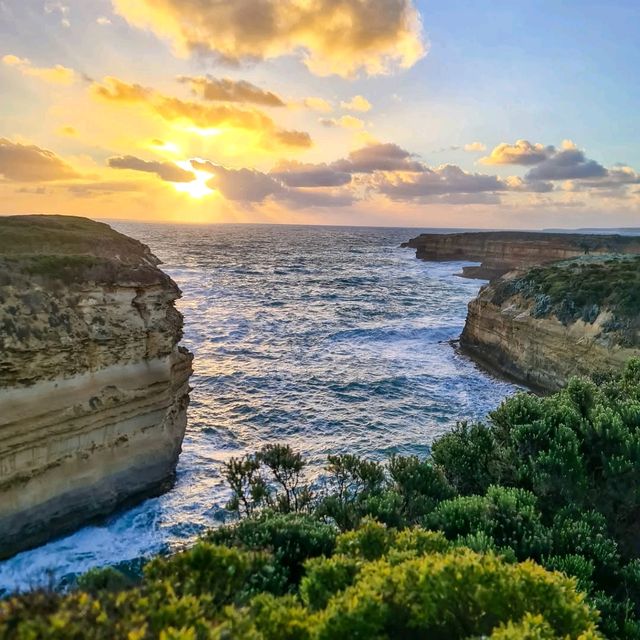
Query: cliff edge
[93, 385]
[577, 317]
[502, 251]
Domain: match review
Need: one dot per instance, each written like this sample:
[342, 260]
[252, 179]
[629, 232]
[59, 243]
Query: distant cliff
[572, 318]
[502, 251]
[93, 385]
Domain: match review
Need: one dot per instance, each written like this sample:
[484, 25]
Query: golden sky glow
[306, 111]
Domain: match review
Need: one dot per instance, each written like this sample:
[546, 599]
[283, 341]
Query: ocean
[330, 339]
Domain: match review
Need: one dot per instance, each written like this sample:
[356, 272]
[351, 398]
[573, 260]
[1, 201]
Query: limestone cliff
[93, 385]
[574, 318]
[502, 251]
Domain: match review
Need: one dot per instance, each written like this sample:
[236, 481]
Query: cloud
[379, 157]
[318, 104]
[346, 122]
[616, 180]
[244, 185]
[55, 75]
[167, 171]
[332, 37]
[62, 10]
[298, 174]
[103, 21]
[522, 153]
[293, 138]
[250, 186]
[516, 183]
[35, 191]
[568, 164]
[445, 180]
[198, 115]
[304, 198]
[475, 146]
[29, 163]
[227, 90]
[86, 189]
[357, 103]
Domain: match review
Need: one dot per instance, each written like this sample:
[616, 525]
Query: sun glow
[204, 132]
[168, 147]
[197, 188]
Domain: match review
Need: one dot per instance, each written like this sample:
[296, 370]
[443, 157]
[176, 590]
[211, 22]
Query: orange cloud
[54, 75]
[346, 122]
[522, 152]
[332, 37]
[357, 103]
[205, 117]
[227, 90]
[167, 171]
[29, 163]
[318, 104]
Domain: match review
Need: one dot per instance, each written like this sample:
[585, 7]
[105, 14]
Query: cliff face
[587, 323]
[502, 251]
[93, 385]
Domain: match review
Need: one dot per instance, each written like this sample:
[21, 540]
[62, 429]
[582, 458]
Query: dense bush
[379, 584]
[523, 527]
[580, 289]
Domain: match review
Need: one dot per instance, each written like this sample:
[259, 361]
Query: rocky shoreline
[512, 328]
[94, 386]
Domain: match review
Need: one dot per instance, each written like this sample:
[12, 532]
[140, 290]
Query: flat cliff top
[71, 249]
[582, 240]
[594, 289]
[39, 235]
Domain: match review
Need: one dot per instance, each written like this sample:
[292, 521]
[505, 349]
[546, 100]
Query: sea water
[329, 339]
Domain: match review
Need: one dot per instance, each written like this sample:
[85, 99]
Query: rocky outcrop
[93, 384]
[539, 340]
[502, 251]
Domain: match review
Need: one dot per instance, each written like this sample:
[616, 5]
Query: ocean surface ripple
[330, 339]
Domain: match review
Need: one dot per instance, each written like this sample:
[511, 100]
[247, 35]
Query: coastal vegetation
[581, 290]
[524, 526]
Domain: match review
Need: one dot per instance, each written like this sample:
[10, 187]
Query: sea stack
[94, 386]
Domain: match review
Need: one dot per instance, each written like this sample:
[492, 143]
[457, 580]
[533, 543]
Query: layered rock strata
[502, 251]
[94, 386]
[542, 341]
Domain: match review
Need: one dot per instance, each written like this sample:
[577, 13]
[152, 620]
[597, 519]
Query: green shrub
[468, 457]
[290, 538]
[420, 484]
[508, 517]
[354, 487]
[104, 579]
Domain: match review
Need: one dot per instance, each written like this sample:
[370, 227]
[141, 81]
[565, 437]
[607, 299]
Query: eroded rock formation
[502, 251]
[540, 328]
[93, 384]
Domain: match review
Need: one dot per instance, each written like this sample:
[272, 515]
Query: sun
[197, 188]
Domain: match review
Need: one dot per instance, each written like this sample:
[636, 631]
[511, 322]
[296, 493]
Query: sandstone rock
[502, 251]
[93, 385]
[508, 337]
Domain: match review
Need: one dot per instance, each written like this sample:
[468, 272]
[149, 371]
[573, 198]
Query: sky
[520, 114]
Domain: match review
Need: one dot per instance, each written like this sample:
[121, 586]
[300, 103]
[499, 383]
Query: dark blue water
[331, 339]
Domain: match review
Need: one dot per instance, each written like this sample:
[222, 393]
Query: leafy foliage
[522, 527]
[393, 590]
